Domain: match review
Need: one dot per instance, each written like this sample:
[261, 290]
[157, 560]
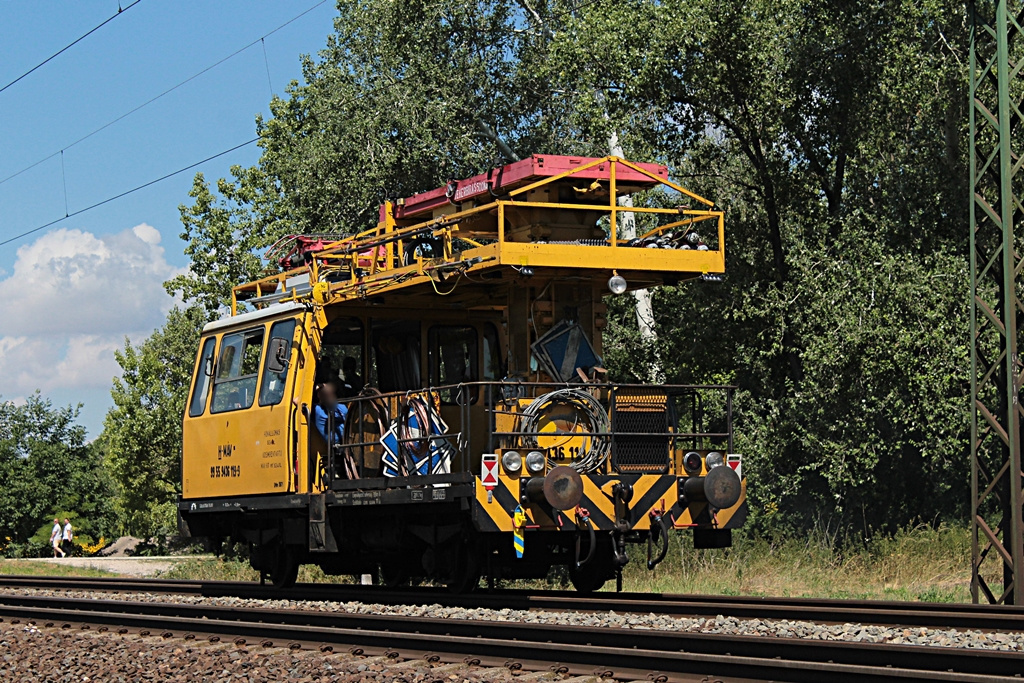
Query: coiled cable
[585, 404]
[373, 405]
[416, 446]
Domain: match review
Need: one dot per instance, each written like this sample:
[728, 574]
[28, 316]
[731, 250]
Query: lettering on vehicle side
[272, 454]
[416, 495]
[270, 465]
[359, 498]
[438, 494]
[220, 471]
[559, 452]
[224, 451]
[272, 432]
[471, 189]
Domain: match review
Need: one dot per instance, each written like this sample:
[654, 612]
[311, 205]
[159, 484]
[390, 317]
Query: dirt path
[127, 566]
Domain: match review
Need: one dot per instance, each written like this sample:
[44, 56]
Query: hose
[591, 545]
[654, 562]
[593, 411]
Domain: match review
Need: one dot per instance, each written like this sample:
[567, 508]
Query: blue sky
[70, 294]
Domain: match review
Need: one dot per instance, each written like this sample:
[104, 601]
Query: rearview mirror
[277, 358]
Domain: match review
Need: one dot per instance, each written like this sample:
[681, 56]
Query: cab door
[240, 441]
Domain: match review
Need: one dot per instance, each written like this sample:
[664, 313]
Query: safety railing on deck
[595, 428]
[443, 247]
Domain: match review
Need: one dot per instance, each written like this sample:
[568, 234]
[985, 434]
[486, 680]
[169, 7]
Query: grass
[922, 563]
[29, 568]
[221, 569]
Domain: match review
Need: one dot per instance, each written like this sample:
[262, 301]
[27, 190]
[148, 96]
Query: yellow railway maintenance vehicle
[425, 400]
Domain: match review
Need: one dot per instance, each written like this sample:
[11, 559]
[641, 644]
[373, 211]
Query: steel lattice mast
[997, 189]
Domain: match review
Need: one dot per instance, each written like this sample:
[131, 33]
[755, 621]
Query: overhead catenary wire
[141, 187]
[144, 185]
[179, 171]
[168, 91]
[266, 62]
[64, 181]
[127, 192]
[77, 40]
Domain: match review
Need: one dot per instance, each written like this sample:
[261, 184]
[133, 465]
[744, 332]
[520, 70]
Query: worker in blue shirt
[329, 415]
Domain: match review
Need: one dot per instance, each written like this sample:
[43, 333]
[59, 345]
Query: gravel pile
[778, 628]
[29, 654]
[122, 547]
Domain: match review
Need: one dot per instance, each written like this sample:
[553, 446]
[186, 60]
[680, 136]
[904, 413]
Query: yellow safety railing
[373, 260]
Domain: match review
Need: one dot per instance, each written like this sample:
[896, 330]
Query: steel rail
[937, 615]
[614, 649]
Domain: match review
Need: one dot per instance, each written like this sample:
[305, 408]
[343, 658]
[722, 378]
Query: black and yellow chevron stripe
[651, 492]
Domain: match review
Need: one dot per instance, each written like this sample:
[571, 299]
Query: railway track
[625, 654]
[959, 616]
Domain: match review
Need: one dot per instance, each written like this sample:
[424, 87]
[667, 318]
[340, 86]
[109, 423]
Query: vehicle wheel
[393, 576]
[465, 574]
[590, 577]
[285, 571]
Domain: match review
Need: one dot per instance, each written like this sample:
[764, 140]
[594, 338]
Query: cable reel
[593, 413]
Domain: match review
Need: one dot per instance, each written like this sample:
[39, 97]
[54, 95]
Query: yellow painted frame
[381, 273]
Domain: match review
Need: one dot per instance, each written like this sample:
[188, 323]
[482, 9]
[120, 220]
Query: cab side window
[341, 356]
[234, 386]
[453, 360]
[275, 368]
[201, 388]
[493, 367]
[396, 348]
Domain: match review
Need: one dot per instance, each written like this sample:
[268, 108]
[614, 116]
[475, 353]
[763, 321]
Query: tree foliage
[143, 429]
[46, 469]
[828, 131]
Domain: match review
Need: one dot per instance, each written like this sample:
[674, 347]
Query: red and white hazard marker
[489, 470]
[735, 461]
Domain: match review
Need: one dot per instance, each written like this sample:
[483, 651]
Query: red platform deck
[498, 181]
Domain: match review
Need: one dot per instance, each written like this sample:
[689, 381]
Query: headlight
[535, 462]
[512, 462]
[714, 459]
[692, 463]
[617, 284]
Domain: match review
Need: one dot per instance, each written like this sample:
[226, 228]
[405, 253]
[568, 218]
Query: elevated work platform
[543, 214]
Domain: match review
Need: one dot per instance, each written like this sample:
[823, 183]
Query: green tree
[828, 131]
[404, 97]
[143, 429]
[47, 468]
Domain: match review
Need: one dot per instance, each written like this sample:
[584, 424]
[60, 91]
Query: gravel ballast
[777, 628]
[31, 653]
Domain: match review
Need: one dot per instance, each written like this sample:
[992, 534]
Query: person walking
[55, 538]
[68, 535]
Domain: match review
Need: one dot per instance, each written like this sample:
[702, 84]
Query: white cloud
[69, 302]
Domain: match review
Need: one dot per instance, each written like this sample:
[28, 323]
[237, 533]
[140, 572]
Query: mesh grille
[641, 413]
